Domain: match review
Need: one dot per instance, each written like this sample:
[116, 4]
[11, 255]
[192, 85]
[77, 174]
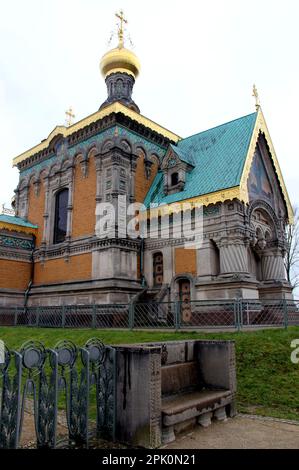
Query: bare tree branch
[292, 254]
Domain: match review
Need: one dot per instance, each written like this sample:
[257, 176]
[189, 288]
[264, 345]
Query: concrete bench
[163, 389]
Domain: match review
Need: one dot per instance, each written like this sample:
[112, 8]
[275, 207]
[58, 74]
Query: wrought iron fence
[203, 314]
[66, 379]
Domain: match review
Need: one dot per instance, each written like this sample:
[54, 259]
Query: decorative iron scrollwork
[41, 374]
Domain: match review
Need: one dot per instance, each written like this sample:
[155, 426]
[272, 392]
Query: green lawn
[268, 382]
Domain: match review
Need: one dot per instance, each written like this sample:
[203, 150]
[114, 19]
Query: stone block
[220, 414]
[205, 419]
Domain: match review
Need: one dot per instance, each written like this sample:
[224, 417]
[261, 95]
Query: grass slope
[268, 382]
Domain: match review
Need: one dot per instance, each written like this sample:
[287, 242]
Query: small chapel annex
[50, 253]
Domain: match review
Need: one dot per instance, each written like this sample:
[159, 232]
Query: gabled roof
[18, 224]
[218, 154]
[222, 157]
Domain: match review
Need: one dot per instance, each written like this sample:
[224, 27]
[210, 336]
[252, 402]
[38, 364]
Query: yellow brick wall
[185, 261]
[142, 184]
[36, 211]
[14, 274]
[58, 270]
[84, 203]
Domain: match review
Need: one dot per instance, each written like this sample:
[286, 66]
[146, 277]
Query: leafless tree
[292, 254]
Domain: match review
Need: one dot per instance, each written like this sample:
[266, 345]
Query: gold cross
[256, 96]
[122, 19]
[69, 116]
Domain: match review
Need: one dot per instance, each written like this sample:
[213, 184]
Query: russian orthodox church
[50, 253]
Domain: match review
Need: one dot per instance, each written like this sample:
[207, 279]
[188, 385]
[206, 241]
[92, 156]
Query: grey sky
[199, 61]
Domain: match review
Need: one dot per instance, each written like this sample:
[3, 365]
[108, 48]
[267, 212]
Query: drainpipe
[26, 295]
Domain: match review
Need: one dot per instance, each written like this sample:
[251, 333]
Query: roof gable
[219, 155]
[261, 127]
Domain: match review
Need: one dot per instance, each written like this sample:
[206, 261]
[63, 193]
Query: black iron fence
[203, 314]
[77, 383]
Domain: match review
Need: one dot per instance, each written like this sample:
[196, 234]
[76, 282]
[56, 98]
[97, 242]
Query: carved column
[99, 187]
[24, 202]
[273, 265]
[17, 199]
[233, 257]
[70, 206]
[132, 182]
[46, 233]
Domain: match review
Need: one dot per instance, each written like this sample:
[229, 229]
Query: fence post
[237, 314]
[16, 316]
[63, 317]
[94, 316]
[241, 316]
[285, 312]
[177, 315]
[37, 316]
[131, 315]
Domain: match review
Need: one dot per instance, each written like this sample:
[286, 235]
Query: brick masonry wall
[36, 210]
[14, 274]
[84, 203]
[142, 184]
[185, 261]
[58, 270]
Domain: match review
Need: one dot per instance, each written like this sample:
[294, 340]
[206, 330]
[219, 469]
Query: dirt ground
[241, 432]
[28, 438]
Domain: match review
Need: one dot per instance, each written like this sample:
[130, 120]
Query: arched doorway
[158, 269]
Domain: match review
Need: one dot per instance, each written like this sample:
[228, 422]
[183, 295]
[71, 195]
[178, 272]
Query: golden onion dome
[120, 59]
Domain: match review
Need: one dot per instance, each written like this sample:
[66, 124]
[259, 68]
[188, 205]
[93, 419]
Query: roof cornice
[111, 109]
[18, 228]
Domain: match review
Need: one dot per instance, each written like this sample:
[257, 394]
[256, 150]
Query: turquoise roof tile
[10, 219]
[219, 156]
[184, 156]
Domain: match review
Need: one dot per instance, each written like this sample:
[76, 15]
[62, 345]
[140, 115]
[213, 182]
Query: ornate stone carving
[37, 184]
[16, 242]
[155, 400]
[84, 167]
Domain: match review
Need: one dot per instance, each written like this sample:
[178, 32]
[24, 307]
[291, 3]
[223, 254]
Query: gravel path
[241, 432]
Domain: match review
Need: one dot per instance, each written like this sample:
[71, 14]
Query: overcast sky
[199, 61]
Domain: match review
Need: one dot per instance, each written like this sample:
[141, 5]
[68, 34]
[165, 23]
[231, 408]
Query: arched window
[158, 269]
[60, 223]
[174, 179]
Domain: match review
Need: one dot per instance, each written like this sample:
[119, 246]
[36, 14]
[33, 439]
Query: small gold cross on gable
[69, 116]
[256, 96]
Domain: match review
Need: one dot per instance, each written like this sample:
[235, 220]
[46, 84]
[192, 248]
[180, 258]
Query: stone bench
[190, 393]
[164, 389]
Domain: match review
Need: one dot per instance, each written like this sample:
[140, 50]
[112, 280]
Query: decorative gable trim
[261, 127]
[170, 160]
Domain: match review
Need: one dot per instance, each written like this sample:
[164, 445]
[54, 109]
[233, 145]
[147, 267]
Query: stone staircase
[155, 294]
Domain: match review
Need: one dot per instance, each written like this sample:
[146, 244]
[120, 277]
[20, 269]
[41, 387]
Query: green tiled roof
[218, 155]
[183, 155]
[10, 219]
